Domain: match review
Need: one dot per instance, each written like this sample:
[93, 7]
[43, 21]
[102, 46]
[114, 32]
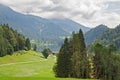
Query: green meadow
[28, 65]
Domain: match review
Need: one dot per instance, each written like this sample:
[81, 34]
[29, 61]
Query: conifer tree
[106, 63]
[79, 58]
[63, 65]
[27, 44]
[35, 47]
[11, 41]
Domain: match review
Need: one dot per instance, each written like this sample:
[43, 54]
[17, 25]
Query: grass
[28, 65]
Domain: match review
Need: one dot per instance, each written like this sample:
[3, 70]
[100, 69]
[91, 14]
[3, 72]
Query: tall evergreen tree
[27, 44]
[79, 58]
[72, 58]
[35, 47]
[63, 65]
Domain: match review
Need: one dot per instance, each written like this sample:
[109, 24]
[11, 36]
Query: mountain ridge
[92, 34]
[38, 29]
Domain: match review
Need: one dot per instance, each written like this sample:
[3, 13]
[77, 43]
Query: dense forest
[111, 36]
[73, 60]
[106, 62]
[104, 35]
[94, 33]
[11, 40]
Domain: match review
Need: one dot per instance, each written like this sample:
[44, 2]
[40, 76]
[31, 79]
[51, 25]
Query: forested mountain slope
[11, 41]
[92, 34]
[44, 32]
[111, 36]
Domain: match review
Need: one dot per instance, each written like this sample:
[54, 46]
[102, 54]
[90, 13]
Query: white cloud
[88, 12]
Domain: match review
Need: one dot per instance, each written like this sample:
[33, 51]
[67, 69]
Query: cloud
[90, 13]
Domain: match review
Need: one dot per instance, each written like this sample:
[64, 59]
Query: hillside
[69, 25]
[111, 36]
[44, 32]
[94, 33]
[11, 40]
[28, 65]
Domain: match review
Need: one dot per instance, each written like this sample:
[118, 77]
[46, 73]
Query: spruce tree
[63, 65]
[79, 58]
[72, 58]
[27, 44]
[35, 47]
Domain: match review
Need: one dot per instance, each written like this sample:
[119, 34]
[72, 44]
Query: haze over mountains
[51, 31]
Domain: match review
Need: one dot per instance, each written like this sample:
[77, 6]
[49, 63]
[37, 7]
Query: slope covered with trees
[11, 41]
[44, 32]
[94, 33]
[111, 36]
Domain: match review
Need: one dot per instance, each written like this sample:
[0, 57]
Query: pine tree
[72, 58]
[63, 65]
[27, 44]
[79, 58]
[46, 52]
[35, 47]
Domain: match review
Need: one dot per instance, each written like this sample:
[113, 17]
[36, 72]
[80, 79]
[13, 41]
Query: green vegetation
[11, 41]
[111, 36]
[63, 67]
[35, 47]
[46, 52]
[94, 33]
[104, 35]
[27, 44]
[28, 65]
[106, 63]
[72, 59]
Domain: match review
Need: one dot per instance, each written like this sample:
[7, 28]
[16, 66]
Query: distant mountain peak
[101, 26]
[4, 7]
[92, 34]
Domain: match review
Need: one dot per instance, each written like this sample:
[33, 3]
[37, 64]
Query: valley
[53, 41]
[28, 65]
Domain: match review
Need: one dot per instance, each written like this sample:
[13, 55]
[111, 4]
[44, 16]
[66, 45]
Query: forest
[74, 61]
[11, 41]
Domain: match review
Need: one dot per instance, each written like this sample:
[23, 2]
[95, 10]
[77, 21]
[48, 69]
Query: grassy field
[28, 65]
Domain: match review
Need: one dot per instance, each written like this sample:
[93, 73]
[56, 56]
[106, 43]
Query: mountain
[44, 32]
[69, 25]
[31, 26]
[111, 36]
[94, 33]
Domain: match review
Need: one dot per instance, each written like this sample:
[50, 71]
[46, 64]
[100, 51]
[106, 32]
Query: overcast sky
[87, 12]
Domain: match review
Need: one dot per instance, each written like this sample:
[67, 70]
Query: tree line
[11, 40]
[73, 60]
[106, 62]
[111, 36]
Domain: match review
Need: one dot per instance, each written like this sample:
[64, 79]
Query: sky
[86, 12]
